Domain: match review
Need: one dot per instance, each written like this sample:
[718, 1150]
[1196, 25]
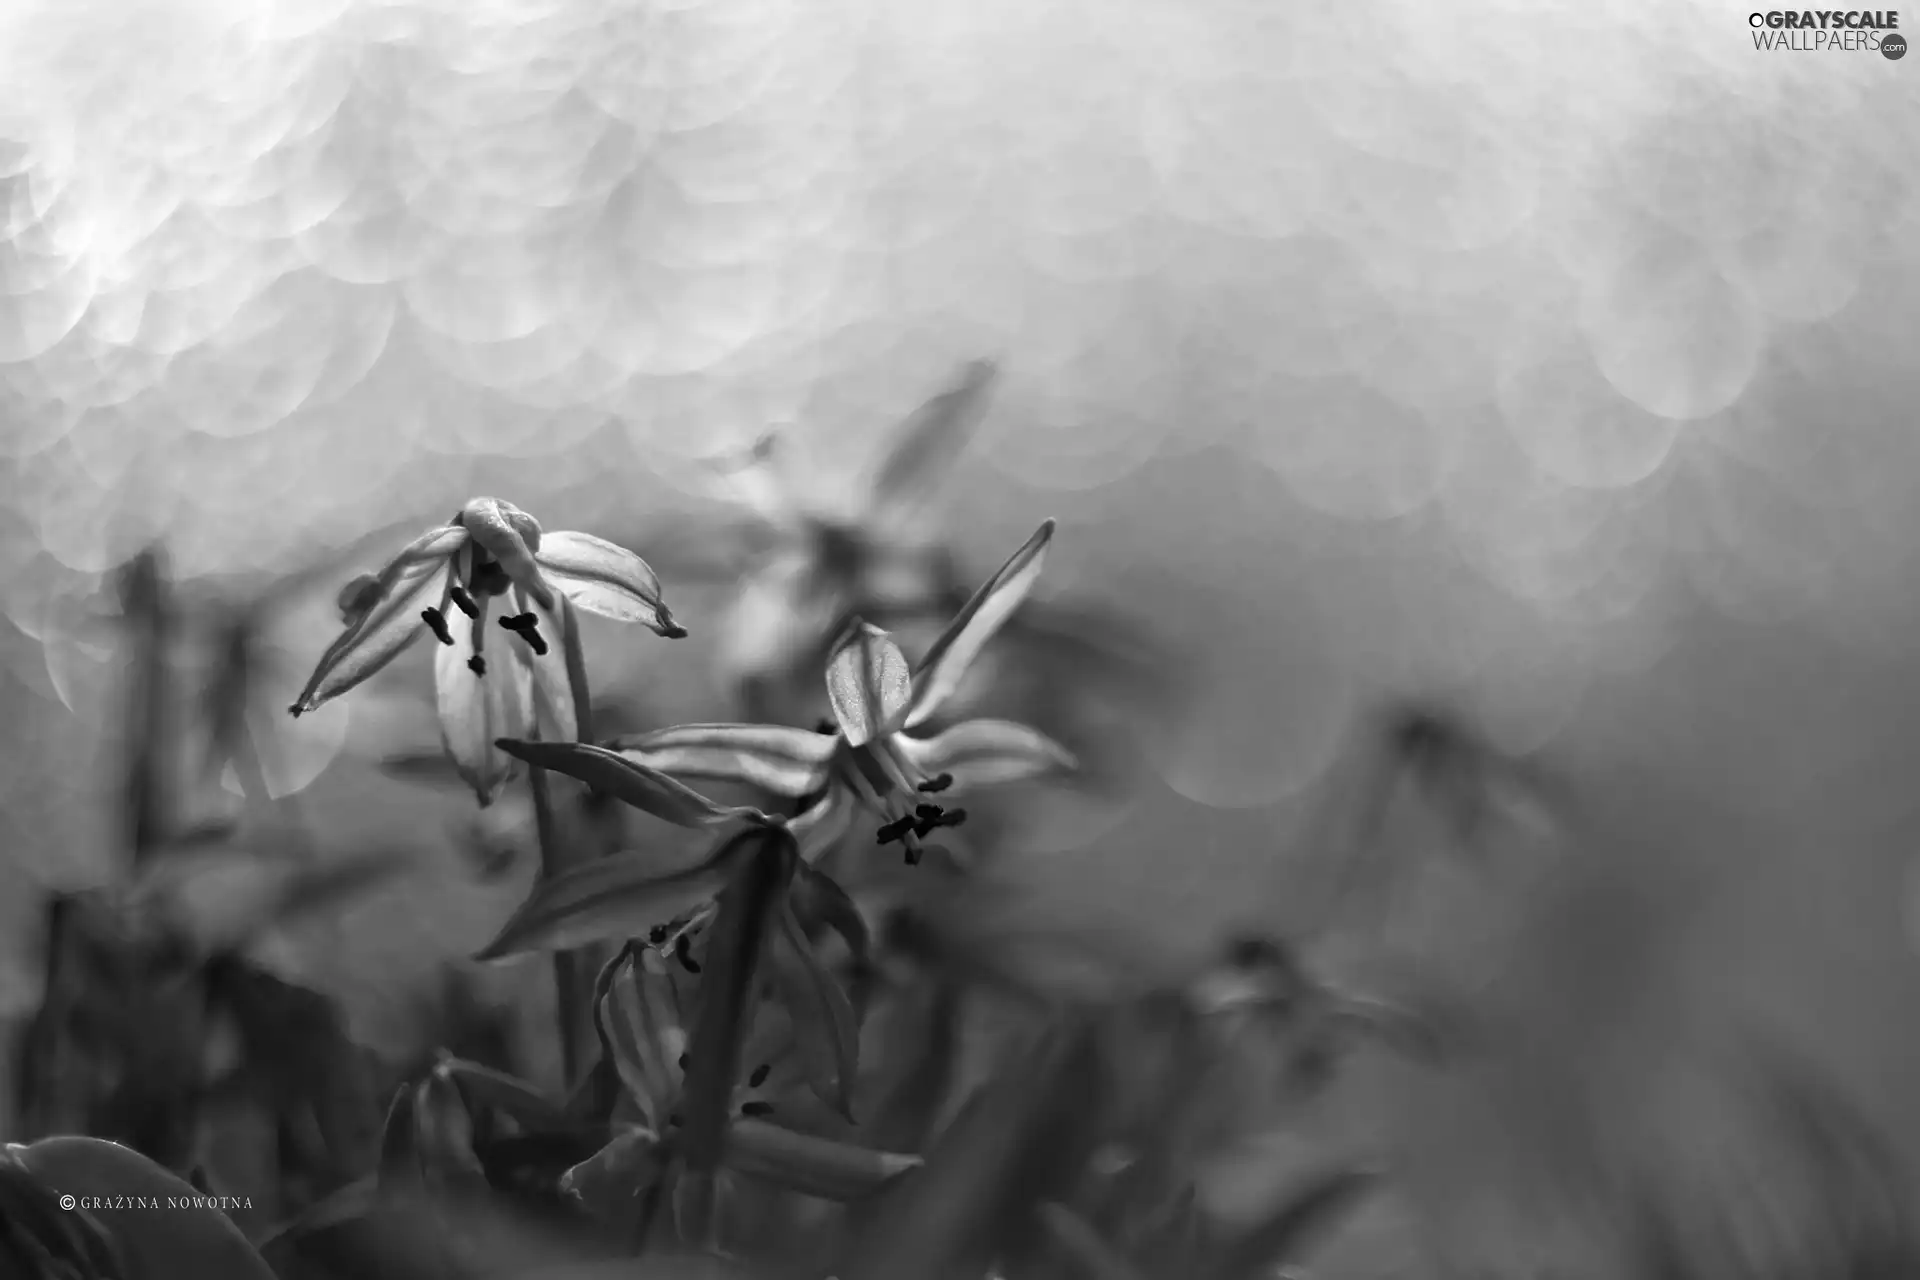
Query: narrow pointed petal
[777, 758]
[613, 1180]
[946, 663]
[630, 1024]
[985, 753]
[631, 781]
[387, 619]
[477, 710]
[606, 579]
[825, 1031]
[810, 1165]
[555, 701]
[609, 898]
[510, 536]
[819, 900]
[928, 442]
[868, 683]
[822, 824]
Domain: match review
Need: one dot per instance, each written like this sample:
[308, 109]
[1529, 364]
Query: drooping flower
[490, 551]
[869, 758]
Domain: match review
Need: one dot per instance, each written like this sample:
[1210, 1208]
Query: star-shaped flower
[869, 757]
[490, 550]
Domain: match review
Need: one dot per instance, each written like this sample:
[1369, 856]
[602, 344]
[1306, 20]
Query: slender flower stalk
[446, 584]
[868, 759]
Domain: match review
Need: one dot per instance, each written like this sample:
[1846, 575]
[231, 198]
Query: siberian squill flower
[868, 758]
[445, 583]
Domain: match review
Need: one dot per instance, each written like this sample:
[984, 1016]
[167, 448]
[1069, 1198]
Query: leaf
[1293, 1226]
[946, 663]
[1092, 1257]
[484, 1087]
[750, 908]
[826, 1031]
[868, 683]
[812, 1165]
[644, 788]
[613, 898]
[600, 577]
[1023, 1139]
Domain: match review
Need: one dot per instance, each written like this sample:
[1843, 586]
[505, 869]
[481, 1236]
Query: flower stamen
[437, 623]
[477, 665]
[935, 785]
[463, 601]
[527, 627]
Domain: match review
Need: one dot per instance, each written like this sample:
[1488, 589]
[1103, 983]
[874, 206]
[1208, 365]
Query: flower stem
[569, 1009]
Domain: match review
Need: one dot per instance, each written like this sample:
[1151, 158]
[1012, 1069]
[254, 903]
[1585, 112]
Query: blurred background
[1557, 361]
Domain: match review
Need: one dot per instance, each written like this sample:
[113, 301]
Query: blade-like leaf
[750, 908]
[1024, 1139]
[827, 1035]
[1294, 1226]
[606, 579]
[929, 440]
[986, 753]
[811, 1165]
[1091, 1256]
[608, 899]
[868, 683]
[786, 761]
[645, 788]
[946, 663]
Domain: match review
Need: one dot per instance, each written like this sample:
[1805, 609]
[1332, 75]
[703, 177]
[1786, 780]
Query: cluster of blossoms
[524, 707]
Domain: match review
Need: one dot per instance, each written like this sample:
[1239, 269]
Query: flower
[821, 562]
[491, 549]
[868, 757]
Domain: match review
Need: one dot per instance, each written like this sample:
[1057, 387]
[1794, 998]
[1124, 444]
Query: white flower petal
[477, 709]
[786, 761]
[605, 579]
[553, 703]
[868, 683]
[984, 753]
[509, 535]
[386, 619]
[946, 663]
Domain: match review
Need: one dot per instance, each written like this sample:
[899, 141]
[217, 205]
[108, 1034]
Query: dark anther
[934, 786]
[896, 830]
[756, 1108]
[437, 623]
[673, 1121]
[759, 1076]
[464, 602]
[682, 1064]
[683, 952]
[931, 817]
[657, 935]
[477, 665]
[527, 627]
[826, 726]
